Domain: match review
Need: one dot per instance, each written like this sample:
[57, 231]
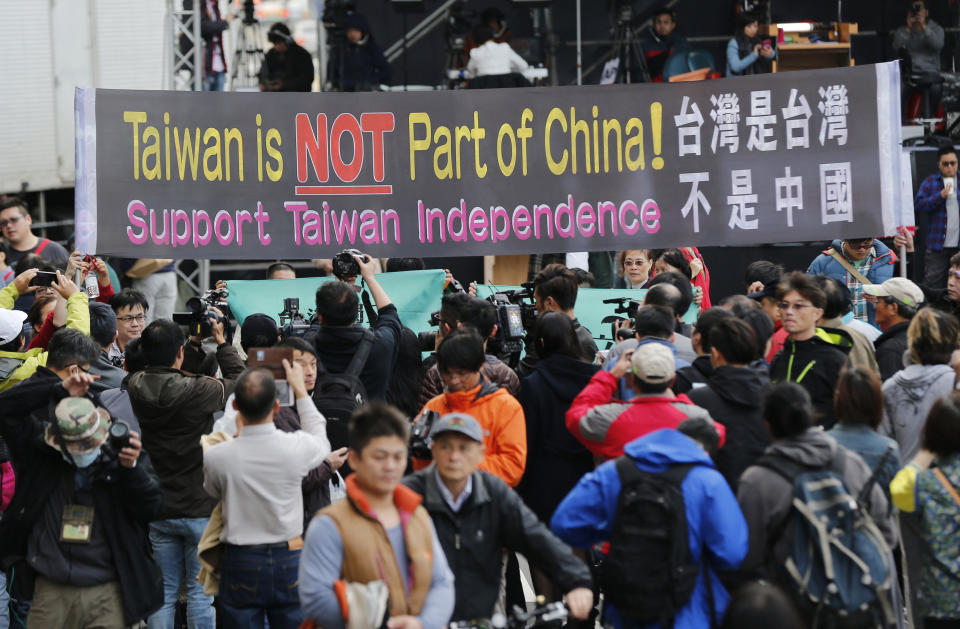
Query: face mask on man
[82, 460]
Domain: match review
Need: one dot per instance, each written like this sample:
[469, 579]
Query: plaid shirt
[928, 200]
[856, 286]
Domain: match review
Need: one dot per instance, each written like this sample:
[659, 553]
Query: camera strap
[360, 356]
[372, 314]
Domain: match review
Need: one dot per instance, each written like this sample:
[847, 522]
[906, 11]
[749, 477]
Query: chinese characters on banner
[836, 200]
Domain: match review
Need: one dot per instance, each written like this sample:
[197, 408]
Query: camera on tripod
[200, 314]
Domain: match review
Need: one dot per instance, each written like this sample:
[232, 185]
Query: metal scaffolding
[183, 70]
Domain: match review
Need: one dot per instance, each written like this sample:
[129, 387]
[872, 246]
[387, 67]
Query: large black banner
[771, 158]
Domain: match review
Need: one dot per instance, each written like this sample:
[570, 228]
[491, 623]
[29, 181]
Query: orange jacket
[504, 428]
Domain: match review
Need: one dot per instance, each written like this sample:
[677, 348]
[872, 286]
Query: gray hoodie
[766, 497]
[907, 398]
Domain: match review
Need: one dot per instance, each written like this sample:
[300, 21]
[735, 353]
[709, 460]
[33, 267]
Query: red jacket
[605, 424]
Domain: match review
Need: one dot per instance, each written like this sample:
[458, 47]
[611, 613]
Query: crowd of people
[792, 453]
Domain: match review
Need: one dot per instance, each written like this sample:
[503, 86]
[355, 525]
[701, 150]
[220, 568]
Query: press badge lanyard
[76, 525]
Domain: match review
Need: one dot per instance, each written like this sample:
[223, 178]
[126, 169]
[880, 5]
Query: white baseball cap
[900, 288]
[11, 324]
[653, 363]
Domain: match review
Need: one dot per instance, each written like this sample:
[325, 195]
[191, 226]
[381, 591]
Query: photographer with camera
[75, 530]
[16, 362]
[920, 41]
[287, 67]
[460, 359]
[175, 408]
[339, 339]
[555, 289]
[461, 497]
[458, 310]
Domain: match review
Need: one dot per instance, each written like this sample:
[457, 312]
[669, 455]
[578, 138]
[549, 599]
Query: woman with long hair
[747, 52]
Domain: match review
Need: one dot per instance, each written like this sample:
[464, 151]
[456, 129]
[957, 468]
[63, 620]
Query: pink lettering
[586, 220]
[222, 217]
[297, 207]
[479, 224]
[134, 211]
[521, 222]
[633, 226]
[179, 238]
[497, 233]
[201, 217]
[650, 216]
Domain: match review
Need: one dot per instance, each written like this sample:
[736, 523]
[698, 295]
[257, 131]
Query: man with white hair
[605, 425]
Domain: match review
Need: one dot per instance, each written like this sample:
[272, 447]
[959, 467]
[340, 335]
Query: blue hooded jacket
[714, 520]
[882, 268]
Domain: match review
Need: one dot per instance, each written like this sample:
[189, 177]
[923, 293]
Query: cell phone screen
[44, 278]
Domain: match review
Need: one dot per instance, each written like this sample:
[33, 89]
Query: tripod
[247, 57]
[627, 48]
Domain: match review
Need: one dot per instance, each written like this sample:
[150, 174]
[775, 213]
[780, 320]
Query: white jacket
[494, 58]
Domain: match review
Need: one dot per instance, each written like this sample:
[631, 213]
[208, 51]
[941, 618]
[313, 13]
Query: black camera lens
[119, 435]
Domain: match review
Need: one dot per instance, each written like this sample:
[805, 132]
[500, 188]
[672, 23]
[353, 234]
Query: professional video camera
[516, 313]
[200, 314]
[420, 435]
[627, 306]
[292, 321]
[248, 12]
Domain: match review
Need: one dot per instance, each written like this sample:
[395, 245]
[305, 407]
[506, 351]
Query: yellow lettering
[415, 118]
[555, 115]
[136, 118]
[635, 142]
[190, 152]
[441, 137]
[578, 127]
[237, 138]
[211, 138]
[273, 151]
[478, 134]
[524, 133]
[612, 125]
[151, 152]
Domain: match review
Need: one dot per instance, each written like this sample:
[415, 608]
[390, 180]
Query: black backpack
[649, 573]
[337, 395]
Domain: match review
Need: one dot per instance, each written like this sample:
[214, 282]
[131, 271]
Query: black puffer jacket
[555, 459]
[493, 517]
[815, 365]
[890, 348]
[734, 398]
[126, 500]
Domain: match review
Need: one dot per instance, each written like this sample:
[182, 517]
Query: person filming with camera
[75, 530]
[175, 408]
[339, 339]
[460, 359]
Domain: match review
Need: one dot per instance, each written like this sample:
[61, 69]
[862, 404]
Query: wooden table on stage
[792, 57]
